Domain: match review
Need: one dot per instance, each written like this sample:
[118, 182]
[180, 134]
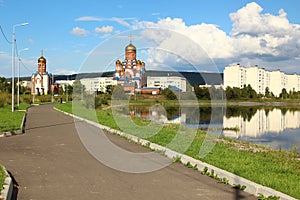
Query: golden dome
[130, 47]
[118, 62]
[42, 59]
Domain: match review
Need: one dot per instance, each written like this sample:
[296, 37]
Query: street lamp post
[13, 65]
[19, 61]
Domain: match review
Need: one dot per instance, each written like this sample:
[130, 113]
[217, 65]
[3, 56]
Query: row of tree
[6, 87]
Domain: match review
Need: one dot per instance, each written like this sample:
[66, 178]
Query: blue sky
[264, 33]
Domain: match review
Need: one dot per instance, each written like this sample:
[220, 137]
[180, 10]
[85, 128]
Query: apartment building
[260, 79]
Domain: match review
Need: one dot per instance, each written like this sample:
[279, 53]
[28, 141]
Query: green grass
[10, 121]
[2, 178]
[275, 169]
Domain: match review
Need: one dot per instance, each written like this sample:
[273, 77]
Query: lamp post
[13, 65]
[19, 61]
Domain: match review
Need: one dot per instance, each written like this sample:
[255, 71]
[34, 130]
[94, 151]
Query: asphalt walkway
[50, 162]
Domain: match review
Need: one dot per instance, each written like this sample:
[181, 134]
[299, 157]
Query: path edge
[6, 192]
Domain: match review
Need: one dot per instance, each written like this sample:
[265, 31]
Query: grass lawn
[10, 121]
[275, 169]
[2, 177]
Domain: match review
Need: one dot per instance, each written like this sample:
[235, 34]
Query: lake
[276, 127]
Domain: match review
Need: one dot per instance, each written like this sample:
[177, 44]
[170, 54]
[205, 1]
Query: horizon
[247, 32]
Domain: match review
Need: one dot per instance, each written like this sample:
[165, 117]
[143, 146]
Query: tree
[78, 88]
[109, 89]
[169, 94]
[69, 89]
[118, 93]
[284, 94]
[4, 85]
[202, 92]
[267, 92]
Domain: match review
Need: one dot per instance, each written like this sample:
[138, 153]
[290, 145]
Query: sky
[86, 36]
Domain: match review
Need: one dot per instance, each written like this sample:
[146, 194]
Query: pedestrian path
[49, 161]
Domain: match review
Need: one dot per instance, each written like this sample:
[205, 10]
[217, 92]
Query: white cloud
[64, 71]
[121, 21]
[250, 20]
[79, 31]
[104, 29]
[263, 37]
[30, 41]
[269, 36]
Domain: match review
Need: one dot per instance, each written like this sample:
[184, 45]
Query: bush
[2, 102]
[26, 99]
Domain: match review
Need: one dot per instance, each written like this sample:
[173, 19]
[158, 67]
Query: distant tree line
[247, 92]
[6, 86]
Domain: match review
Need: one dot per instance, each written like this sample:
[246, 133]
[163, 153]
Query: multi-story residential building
[260, 79]
[98, 84]
[164, 82]
[234, 76]
[293, 82]
[277, 82]
[65, 83]
[104, 82]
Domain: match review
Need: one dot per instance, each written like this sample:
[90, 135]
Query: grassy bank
[10, 121]
[2, 177]
[276, 169]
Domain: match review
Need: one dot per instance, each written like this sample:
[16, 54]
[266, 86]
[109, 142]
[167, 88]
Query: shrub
[2, 102]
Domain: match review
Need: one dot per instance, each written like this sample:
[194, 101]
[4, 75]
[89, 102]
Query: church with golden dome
[130, 73]
[41, 81]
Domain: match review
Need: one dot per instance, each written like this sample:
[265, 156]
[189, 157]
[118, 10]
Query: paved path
[50, 162]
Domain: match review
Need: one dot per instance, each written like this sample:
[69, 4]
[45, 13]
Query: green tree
[4, 85]
[109, 89]
[267, 92]
[118, 93]
[202, 92]
[169, 94]
[69, 89]
[284, 94]
[78, 88]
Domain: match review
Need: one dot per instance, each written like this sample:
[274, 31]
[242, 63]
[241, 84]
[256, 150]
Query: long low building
[99, 84]
[260, 79]
[164, 82]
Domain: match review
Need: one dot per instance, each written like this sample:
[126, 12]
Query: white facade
[64, 83]
[99, 84]
[260, 79]
[275, 121]
[277, 82]
[164, 82]
[234, 76]
[40, 84]
[25, 83]
[105, 81]
[293, 82]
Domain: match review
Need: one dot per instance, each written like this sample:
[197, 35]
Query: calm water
[278, 127]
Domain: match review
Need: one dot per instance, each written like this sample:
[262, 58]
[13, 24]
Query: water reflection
[275, 127]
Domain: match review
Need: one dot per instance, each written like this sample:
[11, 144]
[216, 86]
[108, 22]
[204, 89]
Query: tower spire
[42, 52]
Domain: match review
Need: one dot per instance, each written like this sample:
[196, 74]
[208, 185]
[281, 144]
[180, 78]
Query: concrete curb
[6, 192]
[251, 187]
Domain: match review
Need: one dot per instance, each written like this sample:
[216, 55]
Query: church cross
[130, 36]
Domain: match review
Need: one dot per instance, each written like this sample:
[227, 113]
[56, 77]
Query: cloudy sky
[78, 36]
